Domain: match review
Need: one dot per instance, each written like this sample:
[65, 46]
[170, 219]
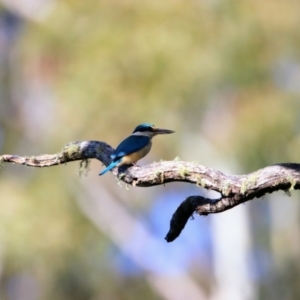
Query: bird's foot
[135, 165]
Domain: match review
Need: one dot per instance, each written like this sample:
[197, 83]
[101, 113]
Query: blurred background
[224, 74]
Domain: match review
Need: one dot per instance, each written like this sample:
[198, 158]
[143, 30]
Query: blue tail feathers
[111, 166]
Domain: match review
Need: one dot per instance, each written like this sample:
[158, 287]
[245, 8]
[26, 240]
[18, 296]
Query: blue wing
[132, 144]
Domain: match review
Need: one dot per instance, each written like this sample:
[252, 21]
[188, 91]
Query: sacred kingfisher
[135, 147]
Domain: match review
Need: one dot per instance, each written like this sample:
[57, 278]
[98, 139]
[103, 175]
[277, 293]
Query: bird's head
[150, 130]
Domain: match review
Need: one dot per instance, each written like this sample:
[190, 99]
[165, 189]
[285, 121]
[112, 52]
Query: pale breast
[134, 157]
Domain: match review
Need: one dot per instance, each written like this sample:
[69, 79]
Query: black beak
[163, 131]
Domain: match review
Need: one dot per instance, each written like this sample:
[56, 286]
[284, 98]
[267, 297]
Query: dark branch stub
[182, 214]
[234, 189]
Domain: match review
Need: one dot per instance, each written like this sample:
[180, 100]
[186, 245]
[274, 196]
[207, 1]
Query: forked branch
[233, 189]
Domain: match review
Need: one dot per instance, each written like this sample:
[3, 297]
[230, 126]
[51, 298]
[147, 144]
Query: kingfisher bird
[135, 147]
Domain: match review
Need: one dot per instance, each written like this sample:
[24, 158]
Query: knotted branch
[233, 189]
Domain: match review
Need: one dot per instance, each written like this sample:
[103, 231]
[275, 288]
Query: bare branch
[233, 189]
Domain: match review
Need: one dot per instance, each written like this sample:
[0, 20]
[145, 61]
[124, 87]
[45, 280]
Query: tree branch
[233, 189]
